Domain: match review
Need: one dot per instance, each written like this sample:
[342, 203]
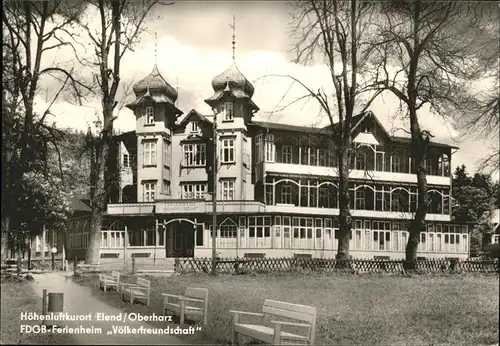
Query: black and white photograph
[306, 172]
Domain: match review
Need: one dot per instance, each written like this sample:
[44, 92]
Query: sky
[194, 45]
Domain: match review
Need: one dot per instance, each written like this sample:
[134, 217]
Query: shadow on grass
[352, 309]
[17, 297]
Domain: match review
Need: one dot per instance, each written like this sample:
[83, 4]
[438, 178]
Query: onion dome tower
[155, 91]
[231, 85]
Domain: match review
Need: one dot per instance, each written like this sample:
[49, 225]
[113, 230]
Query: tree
[474, 199]
[485, 122]
[428, 43]
[31, 30]
[334, 31]
[120, 26]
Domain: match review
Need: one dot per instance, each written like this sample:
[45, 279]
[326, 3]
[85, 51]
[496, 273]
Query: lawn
[16, 297]
[363, 310]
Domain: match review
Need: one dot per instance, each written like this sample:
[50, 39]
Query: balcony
[180, 206]
[288, 168]
[185, 206]
[292, 209]
[237, 207]
[131, 208]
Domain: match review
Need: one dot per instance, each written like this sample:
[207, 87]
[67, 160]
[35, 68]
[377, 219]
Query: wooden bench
[183, 304]
[88, 268]
[111, 281]
[140, 290]
[275, 335]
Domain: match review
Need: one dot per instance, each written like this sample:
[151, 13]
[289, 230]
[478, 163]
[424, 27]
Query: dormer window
[228, 111]
[150, 115]
[193, 127]
[366, 128]
[126, 161]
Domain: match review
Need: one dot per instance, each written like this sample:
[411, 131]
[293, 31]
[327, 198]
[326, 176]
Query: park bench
[275, 335]
[183, 304]
[140, 290]
[110, 281]
[88, 268]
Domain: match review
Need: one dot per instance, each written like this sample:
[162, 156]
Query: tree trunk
[344, 213]
[5, 237]
[30, 249]
[99, 193]
[18, 253]
[419, 153]
[93, 254]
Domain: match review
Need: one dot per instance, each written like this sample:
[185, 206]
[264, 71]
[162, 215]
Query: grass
[352, 310]
[16, 297]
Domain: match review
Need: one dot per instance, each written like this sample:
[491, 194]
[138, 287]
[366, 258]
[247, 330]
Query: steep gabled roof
[407, 141]
[357, 120]
[192, 113]
[129, 139]
[80, 203]
[293, 128]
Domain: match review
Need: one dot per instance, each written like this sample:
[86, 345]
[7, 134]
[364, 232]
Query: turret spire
[156, 47]
[233, 26]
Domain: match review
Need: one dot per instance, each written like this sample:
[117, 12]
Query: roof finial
[233, 26]
[156, 47]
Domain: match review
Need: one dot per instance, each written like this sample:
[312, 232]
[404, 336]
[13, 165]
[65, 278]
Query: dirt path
[79, 301]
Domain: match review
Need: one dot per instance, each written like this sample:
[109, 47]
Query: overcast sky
[194, 45]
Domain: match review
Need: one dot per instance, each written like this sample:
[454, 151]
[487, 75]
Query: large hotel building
[276, 184]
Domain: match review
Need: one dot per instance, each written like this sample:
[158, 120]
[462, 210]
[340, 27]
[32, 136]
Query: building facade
[277, 184]
[495, 237]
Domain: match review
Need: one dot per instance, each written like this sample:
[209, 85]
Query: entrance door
[181, 239]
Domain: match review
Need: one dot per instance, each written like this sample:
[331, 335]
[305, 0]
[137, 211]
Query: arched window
[400, 201]
[364, 198]
[435, 203]
[328, 196]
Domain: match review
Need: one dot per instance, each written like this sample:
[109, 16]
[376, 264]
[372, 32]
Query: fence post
[75, 265]
[133, 265]
[177, 265]
[453, 265]
[44, 305]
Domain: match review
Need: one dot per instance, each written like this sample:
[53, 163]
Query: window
[496, 239]
[150, 233]
[322, 158]
[270, 148]
[313, 156]
[194, 191]
[286, 194]
[193, 127]
[228, 111]
[150, 115]
[228, 190]
[199, 236]
[166, 153]
[149, 153]
[259, 149]
[166, 187]
[286, 154]
[360, 199]
[149, 191]
[428, 167]
[396, 164]
[269, 194]
[228, 231]
[304, 155]
[194, 155]
[227, 151]
[126, 161]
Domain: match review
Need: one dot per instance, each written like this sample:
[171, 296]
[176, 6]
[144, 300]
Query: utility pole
[214, 197]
